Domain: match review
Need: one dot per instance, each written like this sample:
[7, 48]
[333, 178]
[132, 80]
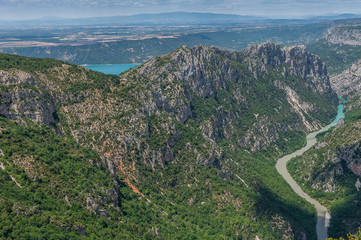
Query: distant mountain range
[174, 18]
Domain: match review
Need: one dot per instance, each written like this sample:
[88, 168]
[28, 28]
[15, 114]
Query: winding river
[323, 215]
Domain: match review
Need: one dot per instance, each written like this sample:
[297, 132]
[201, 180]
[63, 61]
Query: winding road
[323, 215]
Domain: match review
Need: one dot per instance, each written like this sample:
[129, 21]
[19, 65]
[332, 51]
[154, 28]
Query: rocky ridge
[205, 71]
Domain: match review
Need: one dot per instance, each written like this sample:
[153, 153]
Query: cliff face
[206, 72]
[33, 104]
[295, 61]
[183, 128]
[348, 85]
[344, 35]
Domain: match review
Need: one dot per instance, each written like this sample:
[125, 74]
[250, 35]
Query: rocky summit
[183, 146]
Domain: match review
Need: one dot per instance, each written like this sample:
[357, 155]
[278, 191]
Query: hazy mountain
[174, 18]
[141, 50]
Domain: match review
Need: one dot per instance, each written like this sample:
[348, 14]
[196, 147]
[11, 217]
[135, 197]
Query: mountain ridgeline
[181, 147]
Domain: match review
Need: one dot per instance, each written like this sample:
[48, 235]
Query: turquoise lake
[111, 68]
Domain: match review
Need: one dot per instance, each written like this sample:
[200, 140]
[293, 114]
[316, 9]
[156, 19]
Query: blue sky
[30, 9]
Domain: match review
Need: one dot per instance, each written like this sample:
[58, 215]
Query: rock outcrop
[296, 61]
[348, 84]
[21, 98]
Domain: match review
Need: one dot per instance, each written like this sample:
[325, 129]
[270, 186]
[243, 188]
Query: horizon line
[272, 17]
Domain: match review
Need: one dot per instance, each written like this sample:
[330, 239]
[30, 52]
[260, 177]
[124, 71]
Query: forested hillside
[181, 147]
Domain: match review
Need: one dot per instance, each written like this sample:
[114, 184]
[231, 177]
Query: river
[323, 215]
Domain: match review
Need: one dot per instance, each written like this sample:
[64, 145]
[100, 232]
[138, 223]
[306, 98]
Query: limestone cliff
[27, 101]
[344, 35]
[348, 85]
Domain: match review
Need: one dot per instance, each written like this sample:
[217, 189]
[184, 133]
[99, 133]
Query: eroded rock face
[22, 98]
[298, 61]
[207, 68]
[15, 76]
[29, 104]
[348, 83]
[352, 157]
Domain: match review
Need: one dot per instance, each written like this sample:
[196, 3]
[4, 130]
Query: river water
[323, 215]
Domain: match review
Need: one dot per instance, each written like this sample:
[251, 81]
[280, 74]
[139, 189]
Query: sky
[33, 9]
